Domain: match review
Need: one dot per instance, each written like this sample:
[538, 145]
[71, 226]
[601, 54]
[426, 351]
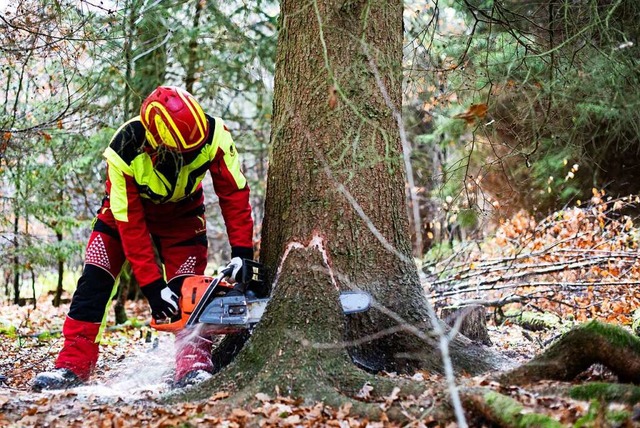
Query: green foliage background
[559, 79]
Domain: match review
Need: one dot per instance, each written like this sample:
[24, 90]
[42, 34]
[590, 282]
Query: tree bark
[336, 177]
[473, 324]
[16, 260]
[336, 219]
[33, 287]
[127, 289]
[192, 57]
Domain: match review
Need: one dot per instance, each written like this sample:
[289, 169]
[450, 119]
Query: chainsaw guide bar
[242, 312]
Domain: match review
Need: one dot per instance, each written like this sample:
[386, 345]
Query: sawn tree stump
[473, 324]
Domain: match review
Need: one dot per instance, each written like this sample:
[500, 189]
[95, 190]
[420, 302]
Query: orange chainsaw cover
[193, 288]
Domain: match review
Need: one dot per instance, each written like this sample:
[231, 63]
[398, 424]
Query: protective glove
[163, 301]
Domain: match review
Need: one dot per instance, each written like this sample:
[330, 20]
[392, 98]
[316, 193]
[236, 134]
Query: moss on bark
[578, 349]
[503, 411]
[609, 392]
[534, 321]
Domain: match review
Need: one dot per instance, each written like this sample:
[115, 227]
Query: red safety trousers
[179, 234]
[80, 351]
[193, 352]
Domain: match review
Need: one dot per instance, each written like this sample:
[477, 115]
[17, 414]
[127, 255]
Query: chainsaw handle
[207, 296]
[225, 273]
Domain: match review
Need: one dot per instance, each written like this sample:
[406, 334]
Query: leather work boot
[192, 378]
[58, 378]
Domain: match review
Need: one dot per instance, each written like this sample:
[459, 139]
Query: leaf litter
[136, 362]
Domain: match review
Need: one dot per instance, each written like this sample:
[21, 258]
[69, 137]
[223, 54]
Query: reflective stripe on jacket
[140, 179]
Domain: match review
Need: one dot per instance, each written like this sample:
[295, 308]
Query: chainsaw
[207, 301]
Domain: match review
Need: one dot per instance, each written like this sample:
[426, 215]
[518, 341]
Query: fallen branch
[550, 284]
[56, 333]
[528, 272]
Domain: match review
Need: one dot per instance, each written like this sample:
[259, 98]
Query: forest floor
[136, 363]
[574, 266]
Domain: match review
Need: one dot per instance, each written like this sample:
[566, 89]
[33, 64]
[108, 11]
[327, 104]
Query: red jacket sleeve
[233, 194]
[129, 215]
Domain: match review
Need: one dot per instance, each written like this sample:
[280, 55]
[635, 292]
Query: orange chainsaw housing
[193, 288]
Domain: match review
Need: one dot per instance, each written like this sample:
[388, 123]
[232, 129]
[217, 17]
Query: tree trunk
[16, 261]
[128, 26]
[127, 289]
[118, 308]
[336, 179]
[57, 299]
[7, 284]
[336, 220]
[472, 321]
[192, 59]
[33, 287]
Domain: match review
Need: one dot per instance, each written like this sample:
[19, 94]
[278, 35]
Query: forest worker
[154, 197]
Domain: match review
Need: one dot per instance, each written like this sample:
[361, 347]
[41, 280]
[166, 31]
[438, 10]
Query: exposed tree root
[502, 411]
[577, 350]
[295, 360]
[608, 392]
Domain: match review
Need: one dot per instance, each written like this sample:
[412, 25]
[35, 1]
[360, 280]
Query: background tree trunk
[16, 260]
[337, 173]
[192, 58]
[57, 298]
[472, 321]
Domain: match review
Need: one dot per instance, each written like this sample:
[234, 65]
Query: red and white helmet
[174, 119]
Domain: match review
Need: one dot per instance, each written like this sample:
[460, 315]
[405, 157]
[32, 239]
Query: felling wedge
[222, 308]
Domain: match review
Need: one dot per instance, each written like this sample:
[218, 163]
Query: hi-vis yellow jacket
[146, 185]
